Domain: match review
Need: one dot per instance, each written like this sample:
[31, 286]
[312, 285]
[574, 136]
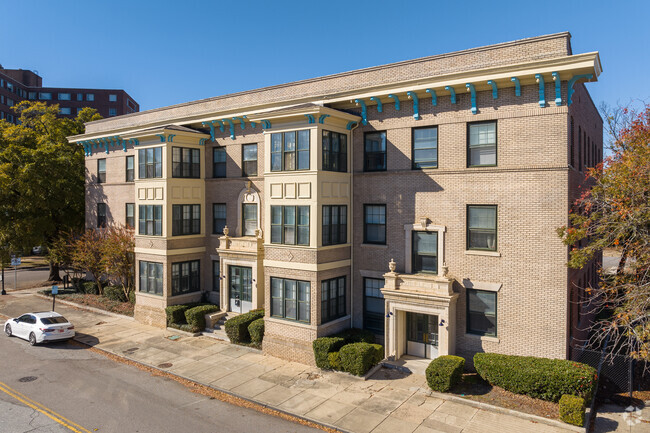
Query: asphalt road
[44, 387]
[27, 277]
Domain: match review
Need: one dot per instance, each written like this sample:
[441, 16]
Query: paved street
[26, 277]
[75, 386]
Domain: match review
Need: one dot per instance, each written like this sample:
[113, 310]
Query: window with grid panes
[290, 225]
[186, 277]
[249, 217]
[335, 151]
[481, 227]
[425, 148]
[481, 312]
[290, 151]
[130, 169]
[332, 299]
[425, 252]
[249, 160]
[151, 277]
[101, 214]
[101, 170]
[218, 217]
[219, 162]
[186, 162]
[374, 151]
[150, 220]
[482, 144]
[374, 228]
[130, 215]
[186, 219]
[150, 163]
[335, 224]
[290, 299]
[373, 305]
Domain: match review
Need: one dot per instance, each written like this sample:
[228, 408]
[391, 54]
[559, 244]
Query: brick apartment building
[419, 200]
[19, 85]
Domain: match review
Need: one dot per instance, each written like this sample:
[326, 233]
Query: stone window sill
[380, 246]
[482, 253]
[483, 338]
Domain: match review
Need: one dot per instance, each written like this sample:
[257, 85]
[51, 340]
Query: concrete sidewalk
[390, 401]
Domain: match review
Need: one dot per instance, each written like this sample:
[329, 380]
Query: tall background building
[20, 84]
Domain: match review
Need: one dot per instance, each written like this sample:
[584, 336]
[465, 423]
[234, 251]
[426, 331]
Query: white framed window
[424, 247]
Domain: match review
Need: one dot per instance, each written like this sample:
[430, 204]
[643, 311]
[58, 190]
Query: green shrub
[357, 358]
[334, 359]
[195, 316]
[132, 297]
[355, 335]
[444, 372]
[90, 287]
[115, 293]
[237, 327]
[256, 330]
[572, 410]
[543, 378]
[323, 346]
[176, 314]
[379, 353]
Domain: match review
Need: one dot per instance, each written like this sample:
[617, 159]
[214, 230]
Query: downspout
[351, 225]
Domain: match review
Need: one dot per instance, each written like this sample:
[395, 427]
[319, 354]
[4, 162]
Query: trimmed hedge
[444, 372]
[547, 379]
[357, 358]
[195, 316]
[176, 314]
[323, 346]
[572, 410]
[334, 359]
[237, 327]
[90, 287]
[256, 330]
[356, 335]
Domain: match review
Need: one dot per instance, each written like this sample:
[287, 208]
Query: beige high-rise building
[419, 200]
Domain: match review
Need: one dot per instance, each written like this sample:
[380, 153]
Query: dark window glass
[290, 299]
[216, 276]
[290, 225]
[481, 312]
[218, 217]
[290, 151]
[425, 148]
[101, 170]
[374, 151]
[482, 144]
[150, 220]
[249, 216]
[335, 151]
[186, 162]
[425, 252]
[482, 228]
[186, 219]
[186, 277]
[151, 277]
[373, 305]
[374, 224]
[332, 299]
[219, 162]
[150, 163]
[130, 215]
[101, 214]
[130, 169]
[249, 160]
[335, 225]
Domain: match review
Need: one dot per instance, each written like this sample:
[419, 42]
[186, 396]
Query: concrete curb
[85, 307]
[248, 399]
[503, 410]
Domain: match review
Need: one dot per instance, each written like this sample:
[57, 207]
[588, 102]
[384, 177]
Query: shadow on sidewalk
[89, 340]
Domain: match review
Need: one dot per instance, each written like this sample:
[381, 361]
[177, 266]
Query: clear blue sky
[166, 52]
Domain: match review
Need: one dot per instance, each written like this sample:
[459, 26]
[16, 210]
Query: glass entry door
[422, 335]
[241, 288]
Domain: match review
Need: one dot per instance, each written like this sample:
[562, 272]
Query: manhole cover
[165, 365]
[174, 337]
[27, 379]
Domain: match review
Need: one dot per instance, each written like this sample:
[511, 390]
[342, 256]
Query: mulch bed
[125, 308]
[474, 388]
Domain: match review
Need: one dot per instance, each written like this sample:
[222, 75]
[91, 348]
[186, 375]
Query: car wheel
[8, 330]
[32, 339]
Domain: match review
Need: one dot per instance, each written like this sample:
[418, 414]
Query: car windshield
[53, 320]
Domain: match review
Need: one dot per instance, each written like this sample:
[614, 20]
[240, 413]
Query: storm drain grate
[27, 379]
[165, 365]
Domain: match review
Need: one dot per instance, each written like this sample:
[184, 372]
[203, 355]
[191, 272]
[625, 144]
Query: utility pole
[3, 292]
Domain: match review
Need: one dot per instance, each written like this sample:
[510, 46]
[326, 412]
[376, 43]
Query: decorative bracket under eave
[517, 85]
[416, 104]
[364, 111]
[572, 81]
[170, 138]
[350, 124]
[322, 118]
[162, 137]
[211, 126]
[266, 124]
[558, 88]
[396, 101]
[378, 101]
[253, 124]
[495, 93]
[434, 97]
[310, 118]
[452, 92]
[542, 97]
[232, 128]
[241, 120]
[472, 90]
[202, 141]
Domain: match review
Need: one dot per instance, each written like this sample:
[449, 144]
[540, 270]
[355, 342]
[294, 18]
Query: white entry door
[241, 289]
[422, 335]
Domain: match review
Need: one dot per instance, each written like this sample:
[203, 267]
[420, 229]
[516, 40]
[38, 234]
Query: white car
[40, 327]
